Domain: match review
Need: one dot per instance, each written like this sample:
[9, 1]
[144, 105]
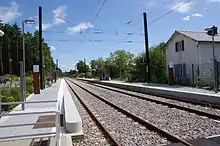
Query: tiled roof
[199, 36]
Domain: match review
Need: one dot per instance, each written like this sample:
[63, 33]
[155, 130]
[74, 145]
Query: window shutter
[182, 45]
[176, 46]
[175, 70]
[184, 70]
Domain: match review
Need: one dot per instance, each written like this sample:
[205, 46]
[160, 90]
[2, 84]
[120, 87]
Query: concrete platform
[72, 123]
[181, 92]
[47, 94]
[212, 141]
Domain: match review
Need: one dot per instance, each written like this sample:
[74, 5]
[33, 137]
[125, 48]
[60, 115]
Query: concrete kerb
[72, 123]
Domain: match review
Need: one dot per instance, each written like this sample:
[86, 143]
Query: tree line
[122, 65]
[11, 51]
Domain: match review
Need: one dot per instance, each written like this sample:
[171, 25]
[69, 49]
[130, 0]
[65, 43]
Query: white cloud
[59, 15]
[187, 18]
[80, 27]
[65, 68]
[9, 13]
[58, 21]
[197, 15]
[182, 7]
[46, 26]
[214, 0]
[52, 48]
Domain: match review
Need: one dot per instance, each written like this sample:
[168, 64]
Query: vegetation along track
[127, 129]
[184, 124]
[210, 112]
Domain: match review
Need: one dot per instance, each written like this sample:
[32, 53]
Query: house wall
[206, 59]
[189, 56]
[206, 52]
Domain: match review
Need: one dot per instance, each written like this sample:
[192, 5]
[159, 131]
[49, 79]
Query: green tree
[98, 67]
[82, 67]
[124, 61]
[11, 49]
[157, 64]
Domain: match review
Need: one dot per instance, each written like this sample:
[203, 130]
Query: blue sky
[67, 22]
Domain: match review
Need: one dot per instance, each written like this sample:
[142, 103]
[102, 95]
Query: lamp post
[23, 37]
[212, 31]
[1, 34]
[24, 74]
[1, 63]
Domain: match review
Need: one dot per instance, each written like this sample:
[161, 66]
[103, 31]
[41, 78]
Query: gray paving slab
[29, 142]
[47, 94]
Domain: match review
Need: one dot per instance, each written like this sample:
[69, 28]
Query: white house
[191, 54]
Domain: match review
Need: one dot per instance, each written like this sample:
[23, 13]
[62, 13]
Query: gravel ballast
[208, 109]
[92, 134]
[178, 122]
[127, 131]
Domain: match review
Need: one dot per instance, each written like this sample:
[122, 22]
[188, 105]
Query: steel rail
[164, 96]
[146, 123]
[98, 122]
[198, 112]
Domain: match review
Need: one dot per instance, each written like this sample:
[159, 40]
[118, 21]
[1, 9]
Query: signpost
[36, 79]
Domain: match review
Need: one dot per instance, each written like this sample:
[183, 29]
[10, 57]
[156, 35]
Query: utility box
[36, 79]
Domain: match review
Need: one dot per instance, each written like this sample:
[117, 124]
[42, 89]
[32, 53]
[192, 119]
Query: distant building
[191, 55]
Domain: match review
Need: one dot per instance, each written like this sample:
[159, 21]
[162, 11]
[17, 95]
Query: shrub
[7, 99]
[29, 81]
[29, 89]
[130, 78]
[4, 91]
[15, 93]
[187, 81]
[81, 75]
[211, 85]
[15, 78]
[89, 75]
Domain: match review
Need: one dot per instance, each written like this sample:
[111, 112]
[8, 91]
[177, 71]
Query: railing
[51, 134]
[58, 111]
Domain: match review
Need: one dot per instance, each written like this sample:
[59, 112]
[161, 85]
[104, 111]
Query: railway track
[124, 117]
[92, 126]
[184, 124]
[209, 112]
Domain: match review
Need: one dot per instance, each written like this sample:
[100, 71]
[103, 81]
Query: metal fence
[197, 75]
[51, 134]
[202, 74]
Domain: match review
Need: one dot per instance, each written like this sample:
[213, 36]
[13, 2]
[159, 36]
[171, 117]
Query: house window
[180, 70]
[179, 46]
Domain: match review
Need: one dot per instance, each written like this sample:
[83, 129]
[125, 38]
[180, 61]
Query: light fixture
[1, 33]
[29, 21]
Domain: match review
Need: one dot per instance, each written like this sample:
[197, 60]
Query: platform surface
[173, 88]
[176, 88]
[49, 93]
[215, 141]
